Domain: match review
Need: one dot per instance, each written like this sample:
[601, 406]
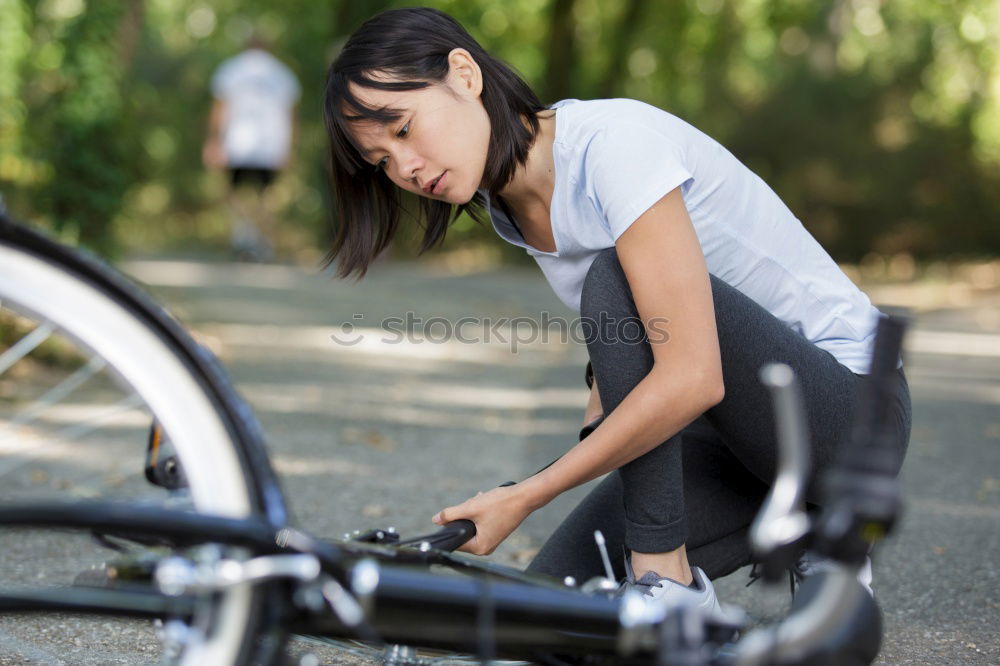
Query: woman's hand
[496, 514]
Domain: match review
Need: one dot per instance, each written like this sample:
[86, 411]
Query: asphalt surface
[386, 432]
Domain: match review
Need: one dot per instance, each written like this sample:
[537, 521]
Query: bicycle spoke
[78, 430]
[19, 446]
[58, 392]
[10, 442]
[14, 446]
[25, 345]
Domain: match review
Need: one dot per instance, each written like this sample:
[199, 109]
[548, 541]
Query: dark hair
[411, 46]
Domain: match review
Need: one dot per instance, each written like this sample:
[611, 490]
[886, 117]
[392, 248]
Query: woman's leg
[722, 499]
[652, 486]
[749, 338]
[647, 503]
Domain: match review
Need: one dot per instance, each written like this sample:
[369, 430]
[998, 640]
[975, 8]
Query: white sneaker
[669, 592]
[810, 563]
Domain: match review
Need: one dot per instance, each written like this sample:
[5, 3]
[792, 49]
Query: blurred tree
[621, 45]
[130, 30]
[15, 37]
[877, 122]
[350, 15]
[88, 150]
[841, 134]
[561, 52]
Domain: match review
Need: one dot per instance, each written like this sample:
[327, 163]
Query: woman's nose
[410, 164]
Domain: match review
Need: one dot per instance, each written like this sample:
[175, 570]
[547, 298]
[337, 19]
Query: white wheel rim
[98, 323]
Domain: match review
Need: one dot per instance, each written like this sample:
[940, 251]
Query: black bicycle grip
[457, 532]
[453, 535]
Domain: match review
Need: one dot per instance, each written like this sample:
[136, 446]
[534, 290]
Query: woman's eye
[381, 163]
[403, 131]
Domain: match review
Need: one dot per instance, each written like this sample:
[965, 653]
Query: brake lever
[782, 524]
[862, 498]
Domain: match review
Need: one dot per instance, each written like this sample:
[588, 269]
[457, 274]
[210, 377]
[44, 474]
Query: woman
[633, 216]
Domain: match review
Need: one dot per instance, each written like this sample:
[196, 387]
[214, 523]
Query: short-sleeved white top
[615, 158]
[259, 92]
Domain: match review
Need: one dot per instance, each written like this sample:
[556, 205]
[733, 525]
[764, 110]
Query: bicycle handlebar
[861, 504]
[449, 537]
[453, 535]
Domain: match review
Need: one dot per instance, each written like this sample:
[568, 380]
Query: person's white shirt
[616, 158]
[260, 93]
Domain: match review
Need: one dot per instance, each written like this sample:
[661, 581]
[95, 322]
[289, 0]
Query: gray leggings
[703, 486]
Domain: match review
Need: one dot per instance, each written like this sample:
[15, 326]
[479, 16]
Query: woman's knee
[605, 286]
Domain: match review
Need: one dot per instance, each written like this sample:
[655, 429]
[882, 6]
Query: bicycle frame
[526, 618]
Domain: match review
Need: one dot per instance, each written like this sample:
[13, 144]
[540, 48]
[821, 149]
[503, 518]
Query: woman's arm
[666, 271]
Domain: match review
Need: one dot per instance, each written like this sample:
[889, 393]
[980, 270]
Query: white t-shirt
[616, 158]
[259, 92]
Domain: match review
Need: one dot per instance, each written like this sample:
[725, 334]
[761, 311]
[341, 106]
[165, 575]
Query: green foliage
[65, 150]
[88, 149]
[14, 27]
[878, 123]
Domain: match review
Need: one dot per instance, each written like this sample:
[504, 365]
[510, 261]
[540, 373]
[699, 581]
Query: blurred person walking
[251, 131]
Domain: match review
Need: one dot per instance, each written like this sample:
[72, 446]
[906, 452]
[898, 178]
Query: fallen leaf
[374, 511]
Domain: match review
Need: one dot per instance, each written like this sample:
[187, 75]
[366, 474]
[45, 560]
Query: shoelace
[795, 575]
[645, 587]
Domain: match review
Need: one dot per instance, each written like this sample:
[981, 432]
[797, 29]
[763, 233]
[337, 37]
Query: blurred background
[877, 122]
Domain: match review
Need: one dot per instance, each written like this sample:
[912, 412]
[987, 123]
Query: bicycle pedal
[166, 473]
[162, 470]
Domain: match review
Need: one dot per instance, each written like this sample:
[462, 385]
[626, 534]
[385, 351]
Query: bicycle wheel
[87, 364]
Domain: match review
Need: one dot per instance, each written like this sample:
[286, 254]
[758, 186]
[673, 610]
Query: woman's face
[437, 149]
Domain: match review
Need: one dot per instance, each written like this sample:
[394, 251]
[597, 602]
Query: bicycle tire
[213, 432]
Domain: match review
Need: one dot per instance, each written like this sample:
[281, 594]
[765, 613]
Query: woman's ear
[464, 73]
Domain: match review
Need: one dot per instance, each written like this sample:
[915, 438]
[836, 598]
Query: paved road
[374, 433]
